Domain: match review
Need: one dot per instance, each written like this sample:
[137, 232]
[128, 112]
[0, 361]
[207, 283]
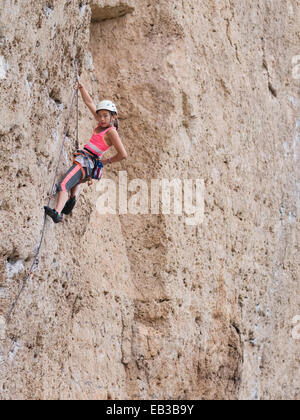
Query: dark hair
[116, 122]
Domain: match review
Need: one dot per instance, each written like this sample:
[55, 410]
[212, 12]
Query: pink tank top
[97, 144]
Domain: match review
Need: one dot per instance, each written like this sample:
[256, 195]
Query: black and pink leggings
[70, 179]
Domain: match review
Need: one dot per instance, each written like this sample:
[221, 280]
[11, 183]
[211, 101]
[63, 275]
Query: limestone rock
[131, 306]
[110, 9]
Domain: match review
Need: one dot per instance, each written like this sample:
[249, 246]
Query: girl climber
[87, 161]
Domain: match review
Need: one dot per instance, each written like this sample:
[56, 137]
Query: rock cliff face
[147, 306]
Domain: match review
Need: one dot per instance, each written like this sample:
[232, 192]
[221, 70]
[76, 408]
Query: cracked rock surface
[146, 306]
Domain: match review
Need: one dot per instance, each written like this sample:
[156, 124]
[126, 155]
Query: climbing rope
[35, 263]
[77, 106]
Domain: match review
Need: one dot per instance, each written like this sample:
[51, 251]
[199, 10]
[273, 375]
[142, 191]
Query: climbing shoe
[53, 214]
[70, 204]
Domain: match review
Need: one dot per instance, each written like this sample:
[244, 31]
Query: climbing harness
[96, 171]
[35, 263]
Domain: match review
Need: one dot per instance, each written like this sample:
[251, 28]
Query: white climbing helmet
[108, 105]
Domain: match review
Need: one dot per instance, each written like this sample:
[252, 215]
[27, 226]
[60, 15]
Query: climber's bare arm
[115, 140]
[88, 100]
